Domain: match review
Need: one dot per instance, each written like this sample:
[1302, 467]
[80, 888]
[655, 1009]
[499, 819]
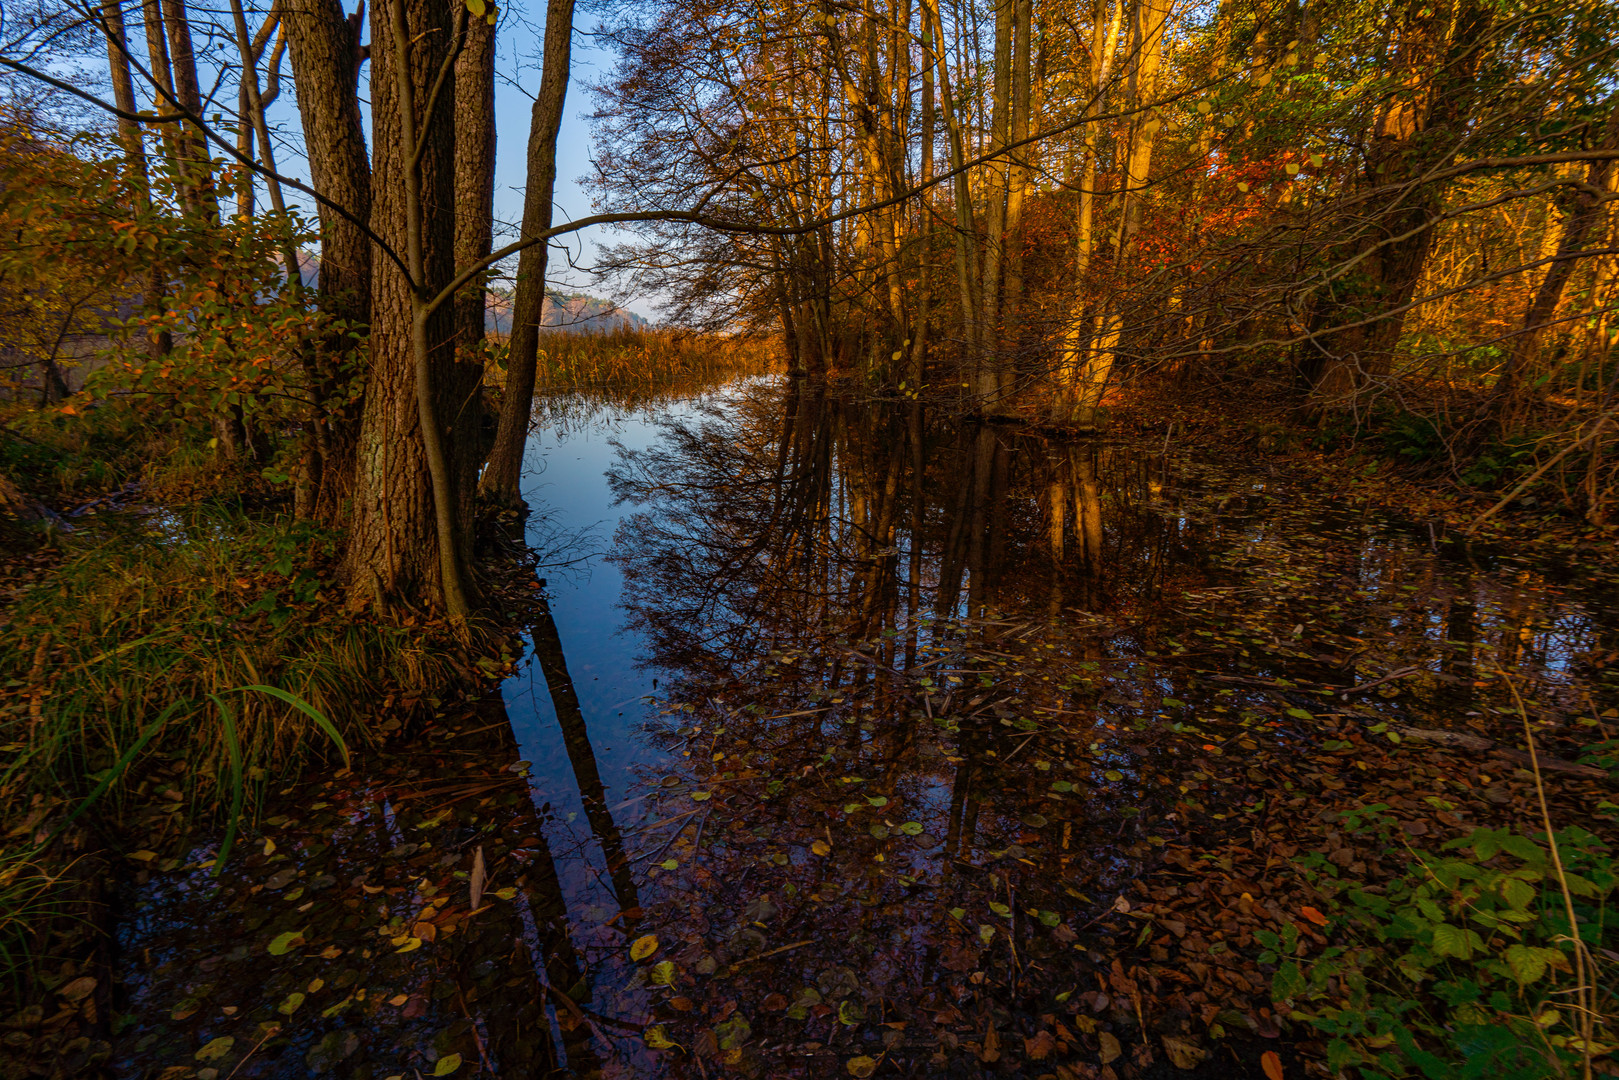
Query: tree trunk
[326, 54]
[1586, 211]
[474, 178]
[133, 140]
[1418, 129]
[501, 476]
[193, 144]
[405, 542]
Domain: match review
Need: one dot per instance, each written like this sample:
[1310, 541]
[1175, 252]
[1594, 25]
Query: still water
[849, 739]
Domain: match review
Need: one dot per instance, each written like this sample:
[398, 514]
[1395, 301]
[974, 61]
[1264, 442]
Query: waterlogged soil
[847, 739]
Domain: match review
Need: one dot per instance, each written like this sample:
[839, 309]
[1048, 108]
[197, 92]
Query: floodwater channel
[841, 733]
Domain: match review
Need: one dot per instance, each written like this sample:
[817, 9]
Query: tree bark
[325, 51]
[409, 525]
[193, 144]
[474, 178]
[501, 476]
[133, 140]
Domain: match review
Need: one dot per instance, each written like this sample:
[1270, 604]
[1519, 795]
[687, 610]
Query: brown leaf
[1271, 1062]
[991, 1050]
[1040, 1046]
[1184, 1052]
[79, 988]
[1110, 1047]
[425, 930]
[478, 877]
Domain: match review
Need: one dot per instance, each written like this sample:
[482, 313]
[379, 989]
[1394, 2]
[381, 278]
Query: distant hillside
[569, 313]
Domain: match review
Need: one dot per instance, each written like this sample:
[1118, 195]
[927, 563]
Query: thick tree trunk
[1418, 129]
[325, 65]
[412, 429]
[501, 476]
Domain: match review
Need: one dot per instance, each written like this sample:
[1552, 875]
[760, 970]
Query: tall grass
[192, 608]
[176, 664]
[629, 358]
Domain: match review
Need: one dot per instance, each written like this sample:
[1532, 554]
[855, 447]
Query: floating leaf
[958, 914]
[878, 801]
[291, 1004]
[663, 973]
[986, 933]
[644, 947]
[1113, 775]
[821, 848]
[911, 828]
[269, 846]
[282, 943]
[1242, 186]
[1061, 785]
[701, 796]
[1110, 1046]
[861, 1067]
[506, 893]
[656, 1039]
[410, 945]
[670, 864]
[449, 1062]
[880, 832]
[1271, 1062]
[216, 1048]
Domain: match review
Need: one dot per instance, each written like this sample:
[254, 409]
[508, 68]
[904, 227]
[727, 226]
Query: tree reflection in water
[949, 690]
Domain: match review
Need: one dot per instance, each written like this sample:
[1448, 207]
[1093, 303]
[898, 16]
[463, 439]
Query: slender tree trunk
[193, 144]
[134, 144]
[1588, 205]
[501, 476]
[988, 388]
[474, 177]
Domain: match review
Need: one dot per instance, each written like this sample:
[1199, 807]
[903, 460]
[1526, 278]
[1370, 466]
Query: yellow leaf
[1110, 1046]
[1242, 186]
[269, 846]
[1292, 169]
[861, 1067]
[477, 7]
[449, 1062]
[822, 848]
[1205, 108]
[398, 1000]
[644, 947]
[657, 1039]
[410, 946]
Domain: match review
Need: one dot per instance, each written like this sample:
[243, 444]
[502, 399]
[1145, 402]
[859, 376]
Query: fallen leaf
[216, 1049]
[861, 1066]
[79, 988]
[478, 876]
[821, 848]
[644, 947]
[1271, 1062]
[411, 945]
[282, 943]
[447, 1064]
[1313, 915]
[1185, 1053]
[1110, 1046]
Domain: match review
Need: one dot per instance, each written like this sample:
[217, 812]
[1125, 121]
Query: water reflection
[942, 715]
